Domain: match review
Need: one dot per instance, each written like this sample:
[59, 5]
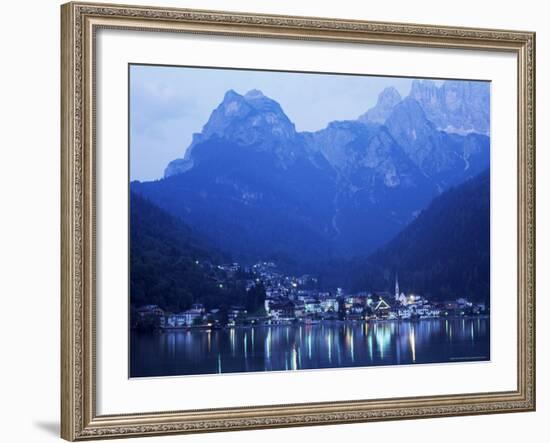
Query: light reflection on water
[324, 345]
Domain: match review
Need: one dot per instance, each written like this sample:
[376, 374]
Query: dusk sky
[169, 104]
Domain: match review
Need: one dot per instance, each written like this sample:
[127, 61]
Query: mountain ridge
[258, 187]
[444, 252]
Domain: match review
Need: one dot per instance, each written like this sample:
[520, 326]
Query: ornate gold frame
[79, 21]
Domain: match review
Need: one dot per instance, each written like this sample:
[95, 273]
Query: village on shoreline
[292, 300]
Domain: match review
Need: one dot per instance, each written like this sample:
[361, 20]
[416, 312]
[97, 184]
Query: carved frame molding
[80, 21]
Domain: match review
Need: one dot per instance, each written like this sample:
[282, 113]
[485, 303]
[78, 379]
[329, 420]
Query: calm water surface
[324, 345]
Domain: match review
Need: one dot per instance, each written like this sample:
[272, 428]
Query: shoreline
[316, 323]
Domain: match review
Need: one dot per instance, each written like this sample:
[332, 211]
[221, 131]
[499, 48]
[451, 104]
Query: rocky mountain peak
[249, 163]
[453, 106]
[460, 107]
[233, 106]
[387, 100]
[252, 119]
[408, 116]
[389, 97]
[424, 91]
[254, 94]
[231, 94]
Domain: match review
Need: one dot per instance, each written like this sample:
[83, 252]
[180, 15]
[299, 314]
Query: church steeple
[396, 287]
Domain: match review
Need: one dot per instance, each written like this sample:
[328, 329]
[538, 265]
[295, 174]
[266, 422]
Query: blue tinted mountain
[252, 120]
[378, 188]
[446, 158]
[250, 184]
[460, 107]
[443, 253]
[387, 100]
[172, 267]
[164, 251]
[259, 189]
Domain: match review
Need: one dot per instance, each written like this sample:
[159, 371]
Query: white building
[174, 321]
[329, 304]
[312, 306]
[191, 315]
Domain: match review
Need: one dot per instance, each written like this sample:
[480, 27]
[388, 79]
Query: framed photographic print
[282, 221]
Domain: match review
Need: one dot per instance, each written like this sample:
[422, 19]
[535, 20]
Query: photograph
[285, 220]
[289, 217]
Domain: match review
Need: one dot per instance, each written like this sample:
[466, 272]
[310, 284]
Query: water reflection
[412, 342]
[324, 345]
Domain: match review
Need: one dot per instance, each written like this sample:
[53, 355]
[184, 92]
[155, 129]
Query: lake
[329, 344]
